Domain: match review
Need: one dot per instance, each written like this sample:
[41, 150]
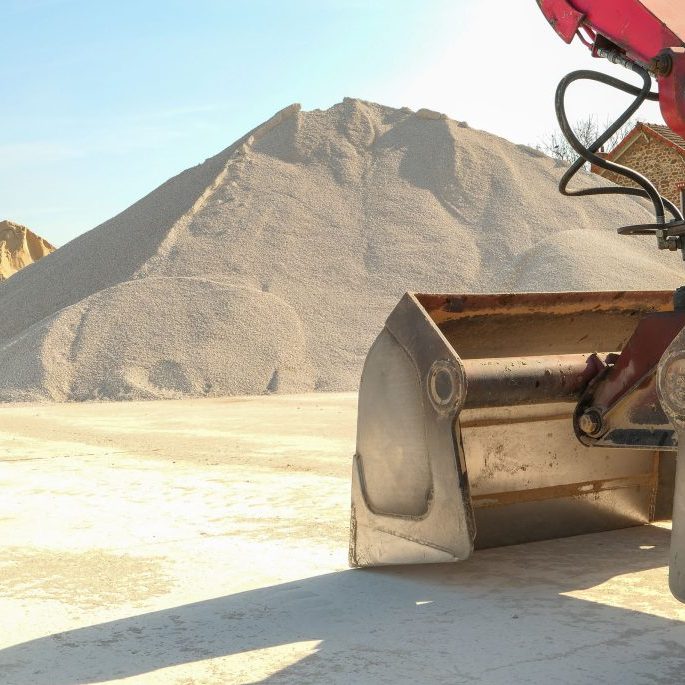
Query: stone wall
[662, 164]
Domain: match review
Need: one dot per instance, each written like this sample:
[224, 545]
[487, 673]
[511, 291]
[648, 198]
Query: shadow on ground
[500, 618]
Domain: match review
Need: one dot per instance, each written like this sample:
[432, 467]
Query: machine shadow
[501, 616]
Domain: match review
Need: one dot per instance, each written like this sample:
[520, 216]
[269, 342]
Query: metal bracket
[620, 408]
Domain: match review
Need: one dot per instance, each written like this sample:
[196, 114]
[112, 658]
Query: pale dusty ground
[204, 541]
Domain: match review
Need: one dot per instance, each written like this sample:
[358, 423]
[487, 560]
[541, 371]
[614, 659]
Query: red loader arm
[649, 32]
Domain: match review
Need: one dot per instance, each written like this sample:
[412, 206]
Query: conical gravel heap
[19, 247]
[271, 266]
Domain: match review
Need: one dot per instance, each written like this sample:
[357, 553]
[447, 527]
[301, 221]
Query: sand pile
[271, 266]
[19, 247]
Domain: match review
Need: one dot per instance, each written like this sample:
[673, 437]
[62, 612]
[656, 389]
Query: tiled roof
[657, 132]
[666, 133]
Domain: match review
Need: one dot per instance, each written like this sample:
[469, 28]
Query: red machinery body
[650, 32]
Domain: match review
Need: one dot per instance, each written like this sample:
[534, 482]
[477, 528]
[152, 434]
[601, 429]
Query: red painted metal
[563, 17]
[630, 25]
[640, 356]
[672, 93]
[641, 29]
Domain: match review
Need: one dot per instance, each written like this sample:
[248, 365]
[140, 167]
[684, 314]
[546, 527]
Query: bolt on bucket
[466, 435]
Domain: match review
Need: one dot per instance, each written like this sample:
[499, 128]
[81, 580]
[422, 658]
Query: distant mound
[271, 266]
[19, 247]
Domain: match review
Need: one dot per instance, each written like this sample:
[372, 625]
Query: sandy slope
[19, 247]
[271, 266]
[205, 541]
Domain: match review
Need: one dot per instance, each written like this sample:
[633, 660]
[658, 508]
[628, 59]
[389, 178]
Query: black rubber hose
[640, 93]
[646, 188]
[588, 154]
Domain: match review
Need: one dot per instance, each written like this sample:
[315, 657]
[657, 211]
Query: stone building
[656, 152]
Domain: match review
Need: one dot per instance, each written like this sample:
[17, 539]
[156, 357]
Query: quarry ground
[205, 541]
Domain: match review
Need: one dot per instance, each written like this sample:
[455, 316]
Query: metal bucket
[465, 434]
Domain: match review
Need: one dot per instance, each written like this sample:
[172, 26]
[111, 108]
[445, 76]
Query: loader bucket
[465, 432]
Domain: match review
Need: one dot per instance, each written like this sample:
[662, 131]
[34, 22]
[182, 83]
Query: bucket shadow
[501, 617]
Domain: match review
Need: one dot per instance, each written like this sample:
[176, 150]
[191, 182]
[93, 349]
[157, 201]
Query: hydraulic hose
[588, 154]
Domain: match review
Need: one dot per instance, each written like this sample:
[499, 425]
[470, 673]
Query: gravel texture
[271, 266]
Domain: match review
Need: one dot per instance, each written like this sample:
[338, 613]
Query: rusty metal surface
[427, 464]
[623, 399]
[504, 381]
[533, 324]
[567, 490]
[530, 478]
[442, 308]
[560, 517]
[410, 495]
[652, 335]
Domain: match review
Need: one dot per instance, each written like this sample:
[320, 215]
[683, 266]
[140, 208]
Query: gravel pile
[19, 247]
[271, 266]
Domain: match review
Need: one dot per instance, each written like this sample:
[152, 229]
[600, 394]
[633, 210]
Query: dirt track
[204, 541]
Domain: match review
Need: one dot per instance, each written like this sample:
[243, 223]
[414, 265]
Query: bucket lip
[446, 307]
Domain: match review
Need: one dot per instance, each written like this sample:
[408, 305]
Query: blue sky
[106, 100]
